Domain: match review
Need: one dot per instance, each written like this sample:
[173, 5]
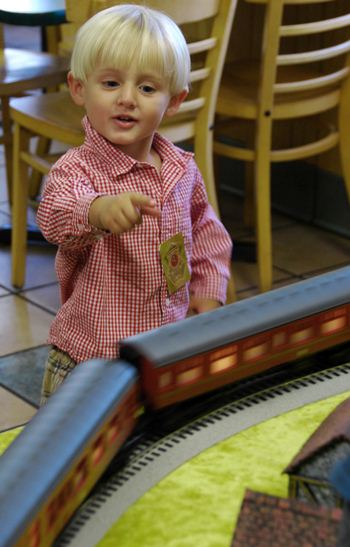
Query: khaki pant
[57, 368]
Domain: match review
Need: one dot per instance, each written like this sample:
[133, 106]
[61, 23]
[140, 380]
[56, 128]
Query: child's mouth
[125, 118]
[124, 121]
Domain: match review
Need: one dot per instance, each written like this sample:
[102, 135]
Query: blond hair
[133, 35]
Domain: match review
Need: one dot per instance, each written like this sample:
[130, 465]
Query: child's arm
[69, 193]
[121, 213]
[200, 305]
[211, 252]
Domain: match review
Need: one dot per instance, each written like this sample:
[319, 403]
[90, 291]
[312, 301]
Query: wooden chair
[302, 76]
[58, 119]
[22, 71]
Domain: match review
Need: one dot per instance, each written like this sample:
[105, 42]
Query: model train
[50, 468]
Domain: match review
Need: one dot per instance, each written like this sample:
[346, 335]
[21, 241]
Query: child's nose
[126, 96]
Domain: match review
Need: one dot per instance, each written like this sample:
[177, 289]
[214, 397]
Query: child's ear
[175, 102]
[76, 88]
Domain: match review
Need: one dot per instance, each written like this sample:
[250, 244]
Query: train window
[301, 335]
[189, 375]
[255, 352]
[129, 405]
[68, 489]
[164, 379]
[98, 449]
[113, 429]
[62, 497]
[223, 363]
[52, 512]
[223, 359]
[279, 339]
[333, 325]
[80, 475]
[34, 534]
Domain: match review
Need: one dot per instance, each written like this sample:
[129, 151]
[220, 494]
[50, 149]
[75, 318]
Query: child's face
[125, 106]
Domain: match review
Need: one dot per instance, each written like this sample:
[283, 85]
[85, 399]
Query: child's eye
[148, 89]
[110, 83]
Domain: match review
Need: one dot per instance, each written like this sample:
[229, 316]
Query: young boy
[138, 244]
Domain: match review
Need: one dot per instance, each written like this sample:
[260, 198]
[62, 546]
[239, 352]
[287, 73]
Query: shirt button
[167, 301]
[81, 226]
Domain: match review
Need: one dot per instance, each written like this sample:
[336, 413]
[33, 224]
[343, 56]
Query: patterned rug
[22, 373]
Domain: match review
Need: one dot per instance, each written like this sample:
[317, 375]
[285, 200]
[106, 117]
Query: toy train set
[50, 468]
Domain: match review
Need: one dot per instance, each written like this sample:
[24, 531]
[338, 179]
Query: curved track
[153, 456]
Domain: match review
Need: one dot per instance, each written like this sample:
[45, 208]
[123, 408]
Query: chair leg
[262, 173]
[36, 178]
[344, 133]
[205, 162]
[249, 204]
[263, 223]
[7, 139]
[19, 209]
[205, 158]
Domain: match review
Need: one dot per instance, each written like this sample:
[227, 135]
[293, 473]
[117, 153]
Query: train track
[163, 443]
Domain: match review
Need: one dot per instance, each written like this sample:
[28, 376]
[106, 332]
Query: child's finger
[145, 204]
[151, 210]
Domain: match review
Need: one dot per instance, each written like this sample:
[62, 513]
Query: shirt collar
[122, 163]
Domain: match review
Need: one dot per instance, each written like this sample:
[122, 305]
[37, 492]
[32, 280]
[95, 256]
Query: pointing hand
[122, 212]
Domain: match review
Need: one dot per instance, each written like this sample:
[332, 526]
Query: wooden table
[31, 13]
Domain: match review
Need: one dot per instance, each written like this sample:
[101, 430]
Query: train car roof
[37, 459]
[233, 322]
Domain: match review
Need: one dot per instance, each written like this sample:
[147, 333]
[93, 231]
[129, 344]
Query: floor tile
[31, 211]
[278, 283]
[47, 297]
[246, 276]
[308, 275]
[4, 211]
[23, 325]
[4, 205]
[300, 249]
[39, 266]
[231, 214]
[13, 410]
[22, 373]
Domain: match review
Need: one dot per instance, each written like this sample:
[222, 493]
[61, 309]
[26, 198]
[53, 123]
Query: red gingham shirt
[113, 286]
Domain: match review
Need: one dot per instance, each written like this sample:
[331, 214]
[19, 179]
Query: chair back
[300, 70]
[305, 59]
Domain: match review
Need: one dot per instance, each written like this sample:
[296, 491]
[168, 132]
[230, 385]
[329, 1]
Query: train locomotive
[55, 461]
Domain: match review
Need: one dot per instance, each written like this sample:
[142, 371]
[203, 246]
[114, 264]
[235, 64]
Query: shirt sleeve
[64, 208]
[212, 248]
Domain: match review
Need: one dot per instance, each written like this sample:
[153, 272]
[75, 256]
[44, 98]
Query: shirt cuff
[80, 217]
[213, 288]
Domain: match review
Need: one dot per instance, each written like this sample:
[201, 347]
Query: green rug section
[7, 437]
[198, 504]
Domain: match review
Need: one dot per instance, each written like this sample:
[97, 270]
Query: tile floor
[300, 251]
